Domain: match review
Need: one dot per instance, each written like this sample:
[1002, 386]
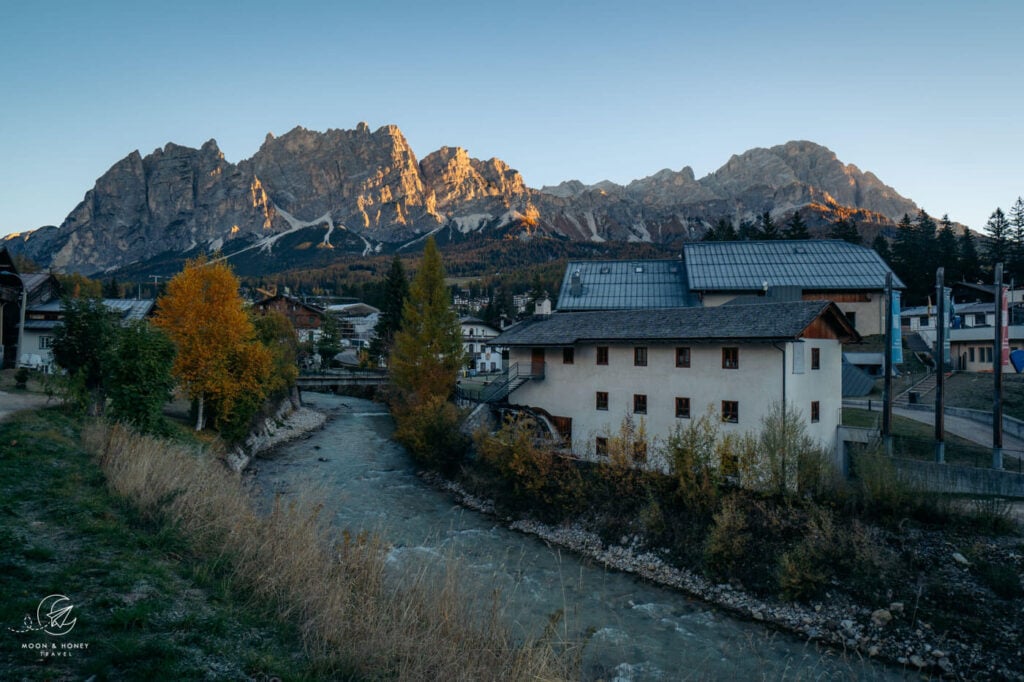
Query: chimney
[543, 308]
[576, 286]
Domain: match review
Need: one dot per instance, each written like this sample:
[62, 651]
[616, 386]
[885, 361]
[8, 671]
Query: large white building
[588, 370]
[483, 356]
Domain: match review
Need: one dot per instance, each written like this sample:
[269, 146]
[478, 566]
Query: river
[640, 631]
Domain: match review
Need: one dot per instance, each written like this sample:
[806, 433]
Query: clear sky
[924, 93]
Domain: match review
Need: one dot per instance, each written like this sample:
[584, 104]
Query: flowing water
[640, 631]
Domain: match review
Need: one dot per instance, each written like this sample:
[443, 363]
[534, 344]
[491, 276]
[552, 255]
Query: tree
[427, 351]
[138, 376]
[846, 230]
[766, 227]
[396, 291]
[329, 343]
[998, 229]
[218, 357]
[796, 228]
[748, 230]
[276, 333]
[1016, 264]
[881, 247]
[111, 289]
[80, 344]
[947, 251]
[721, 231]
[970, 263]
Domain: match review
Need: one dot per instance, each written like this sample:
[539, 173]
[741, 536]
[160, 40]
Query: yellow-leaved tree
[220, 361]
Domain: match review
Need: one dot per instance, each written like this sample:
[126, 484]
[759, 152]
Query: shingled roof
[763, 322]
[815, 264]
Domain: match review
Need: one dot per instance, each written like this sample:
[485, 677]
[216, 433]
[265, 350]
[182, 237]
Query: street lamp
[21, 322]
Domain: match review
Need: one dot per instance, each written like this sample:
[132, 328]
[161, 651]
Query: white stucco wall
[570, 390]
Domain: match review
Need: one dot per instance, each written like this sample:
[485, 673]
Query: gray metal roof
[127, 309]
[624, 285]
[819, 264]
[763, 322]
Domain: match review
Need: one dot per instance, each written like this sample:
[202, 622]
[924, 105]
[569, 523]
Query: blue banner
[897, 332]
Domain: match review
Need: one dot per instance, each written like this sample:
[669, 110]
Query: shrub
[693, 453]
[429, 430]
[21, 377]
[806, 569]
[726, 545]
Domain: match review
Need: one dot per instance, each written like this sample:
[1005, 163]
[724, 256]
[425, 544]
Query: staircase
[513, 379]
[922, 388]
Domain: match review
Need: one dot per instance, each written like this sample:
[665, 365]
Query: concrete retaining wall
[949, 478]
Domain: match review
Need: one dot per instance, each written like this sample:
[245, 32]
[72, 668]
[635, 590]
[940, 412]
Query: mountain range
[321, 194]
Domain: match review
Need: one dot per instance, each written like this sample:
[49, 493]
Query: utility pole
[940, 366]
[997, 373]
[887, 367]
[156, 283]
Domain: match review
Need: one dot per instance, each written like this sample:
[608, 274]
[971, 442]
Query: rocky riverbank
[287, 423]
[893, 632]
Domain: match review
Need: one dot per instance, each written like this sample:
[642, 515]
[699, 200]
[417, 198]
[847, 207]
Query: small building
[34, 288]
[305, 317]
[481, 354]
[41, 322]
[851, 276]
[589, 370]
[357, 321]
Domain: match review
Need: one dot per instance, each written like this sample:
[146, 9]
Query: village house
[18, 293]
[41, 322]
[588, 370]
[481, 355]
[305, 318]
[851, 276]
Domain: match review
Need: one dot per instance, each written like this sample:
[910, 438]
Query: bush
[21, 377]
[430, 432]
[726, 545]
[805, 570]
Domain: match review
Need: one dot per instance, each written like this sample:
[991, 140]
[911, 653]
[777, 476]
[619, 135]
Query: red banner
[1005, 332]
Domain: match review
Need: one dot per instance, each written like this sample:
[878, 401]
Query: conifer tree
[881, 246]
[970, 263]
[396, 291]
[846, 230]
[947, 251]
[1016, 264]
[796, 228]
[999, 232]
[766, 227]
[427, 352]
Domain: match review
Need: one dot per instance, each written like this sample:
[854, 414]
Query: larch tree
[427, 352]
[218, 361]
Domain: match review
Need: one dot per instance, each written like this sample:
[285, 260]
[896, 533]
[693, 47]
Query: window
[683, 356]
[815, 358]
[639, 403]
[970, 352]
[988, 354]
[602, 400]
[815, 411]
[568, 356]
[682, 408]
[923, 321]
[851, 317]
[601, 446]
[730, 411]
[602, 355]
[640, 451]
[979, 319]
[798, 358]
[45, 342]
[730, 358]
[640, 356]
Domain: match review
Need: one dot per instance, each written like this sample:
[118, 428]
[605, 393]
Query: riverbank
[287, 424]
[894, 632]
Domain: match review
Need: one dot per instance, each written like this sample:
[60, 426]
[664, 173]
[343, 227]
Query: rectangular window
[815, 411]
[45, 342]
[683, 356]
[602, 400]
[979, 319]
[970, 353]
[851, 317]
[639, 403]
[640, 356]
[682, 408]
[730, 411]
[601, 446]
[602, 355]
[988, 355]
[815, 358]
[730, 358]
[923, 321]
[798, 358]
[568, 356]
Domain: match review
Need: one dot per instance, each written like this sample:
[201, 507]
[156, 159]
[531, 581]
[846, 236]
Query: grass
[173, 575]
[146, 603]
[916, 440]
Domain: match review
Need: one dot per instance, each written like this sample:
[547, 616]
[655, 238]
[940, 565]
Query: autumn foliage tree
[220, 361]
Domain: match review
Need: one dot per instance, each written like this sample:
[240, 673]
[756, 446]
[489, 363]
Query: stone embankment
[891, 632]
[288, 423]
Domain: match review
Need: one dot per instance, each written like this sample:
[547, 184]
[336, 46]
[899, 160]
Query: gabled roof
[815, 264]
[758, 323]
[126, 310]
[623, 285]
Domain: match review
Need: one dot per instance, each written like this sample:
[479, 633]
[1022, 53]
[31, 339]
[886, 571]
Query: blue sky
[925, 94]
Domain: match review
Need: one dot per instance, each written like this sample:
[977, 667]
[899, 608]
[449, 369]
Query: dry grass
[355, 617]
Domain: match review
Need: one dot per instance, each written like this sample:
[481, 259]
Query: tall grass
[352, 615]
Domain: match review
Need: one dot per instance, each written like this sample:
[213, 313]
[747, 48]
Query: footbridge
[334, 379]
